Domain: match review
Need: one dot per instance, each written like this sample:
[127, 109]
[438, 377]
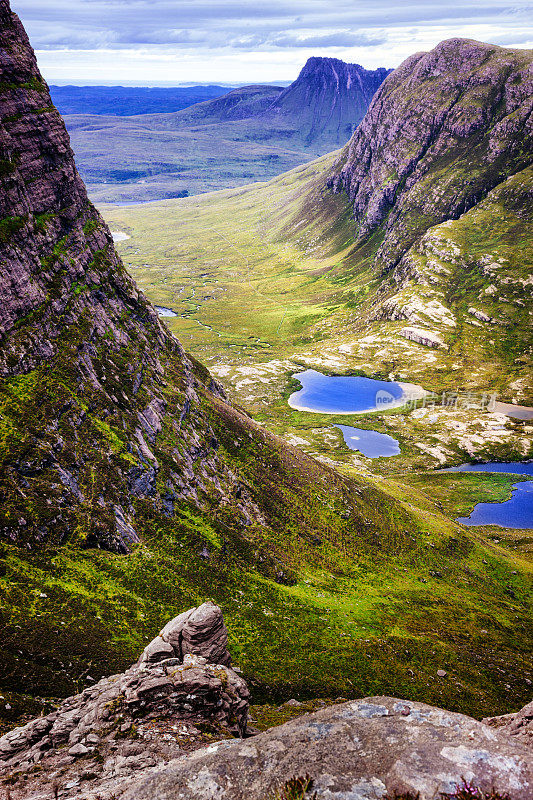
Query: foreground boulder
[362, 750]
[149, 714]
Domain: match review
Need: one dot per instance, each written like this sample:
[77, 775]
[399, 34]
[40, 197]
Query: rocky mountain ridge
[444, 130]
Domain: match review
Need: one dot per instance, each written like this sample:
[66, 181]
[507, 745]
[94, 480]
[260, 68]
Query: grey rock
[519, 725]
[157, 650]
[427, 109]
[360, 750]
[198, 631]
[78, 750]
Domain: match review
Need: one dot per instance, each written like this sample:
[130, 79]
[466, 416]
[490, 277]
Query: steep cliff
[445, 128]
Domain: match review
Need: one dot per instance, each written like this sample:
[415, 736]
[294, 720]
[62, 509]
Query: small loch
[162, 311]
[517, 511]
[370, 443]
[119, 236]
[339, 394]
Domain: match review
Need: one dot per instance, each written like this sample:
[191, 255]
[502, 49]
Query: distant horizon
[168, 85]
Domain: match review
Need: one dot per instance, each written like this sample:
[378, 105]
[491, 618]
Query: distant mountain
[241, 103]
[329, 99]
[127, 100]
[251, 133]
[322, 107]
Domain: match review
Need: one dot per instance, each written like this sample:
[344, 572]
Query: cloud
[339, 39]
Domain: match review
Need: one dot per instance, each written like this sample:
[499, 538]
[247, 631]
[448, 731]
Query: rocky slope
[439, 178]
[240, 103]
[446, 128]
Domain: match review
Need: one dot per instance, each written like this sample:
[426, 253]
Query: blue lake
[370, 443]
[517, 512]
[513, 467]
[165, 312]
[337, 394]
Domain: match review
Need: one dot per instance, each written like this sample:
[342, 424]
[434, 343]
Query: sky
[173, 42]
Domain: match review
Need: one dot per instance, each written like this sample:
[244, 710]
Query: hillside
[130, 488]
[251, 133]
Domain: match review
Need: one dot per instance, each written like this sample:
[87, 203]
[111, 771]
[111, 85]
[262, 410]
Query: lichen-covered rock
[427, 338]
[362, 750]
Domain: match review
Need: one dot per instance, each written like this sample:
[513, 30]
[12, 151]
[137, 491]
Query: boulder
[362, 750]
[199, 631]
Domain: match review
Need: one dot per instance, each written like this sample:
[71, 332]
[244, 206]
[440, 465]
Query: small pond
[339, 394]
[119, 236]
[517, 512]
[370, 443]
[165, 312]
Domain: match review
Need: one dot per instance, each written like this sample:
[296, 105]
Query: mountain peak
[324, 65]
[329, 98]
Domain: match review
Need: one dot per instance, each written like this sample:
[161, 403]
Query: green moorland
[267, 280]
[379, 608]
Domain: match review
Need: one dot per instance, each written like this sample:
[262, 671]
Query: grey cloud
[244, 24]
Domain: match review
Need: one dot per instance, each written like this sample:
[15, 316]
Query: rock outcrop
[519, 725]
[200, 631]
[145, 716]
[139, 735]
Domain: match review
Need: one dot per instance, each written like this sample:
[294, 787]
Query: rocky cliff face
[439, 178]
[86, 399]
[444, 129]
[328, 99]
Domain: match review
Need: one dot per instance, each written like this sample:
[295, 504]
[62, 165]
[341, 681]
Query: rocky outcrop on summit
[141, 718]
[200, 631]
[445, 128]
